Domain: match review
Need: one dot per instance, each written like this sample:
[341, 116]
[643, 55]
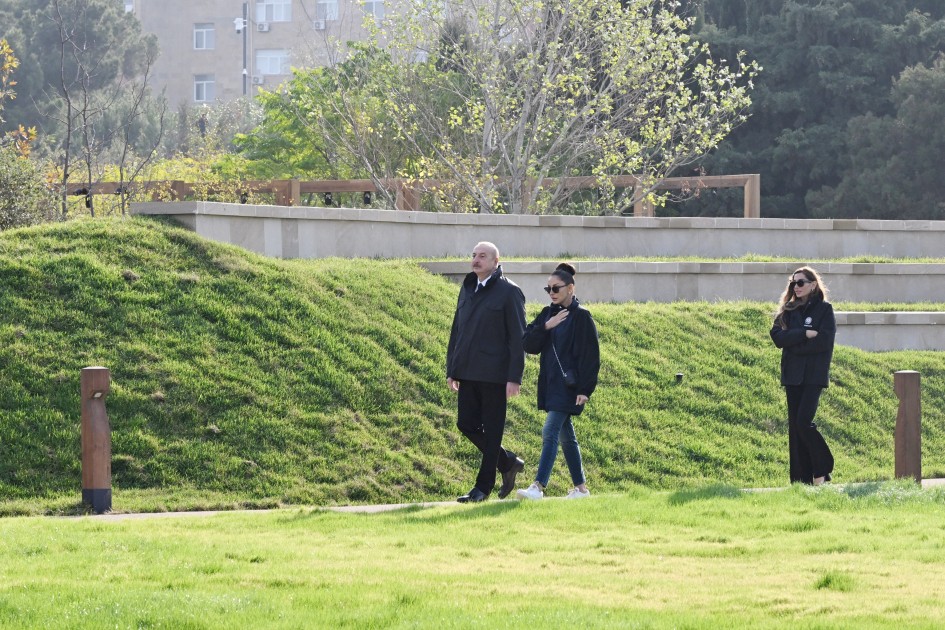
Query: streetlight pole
[245, 36]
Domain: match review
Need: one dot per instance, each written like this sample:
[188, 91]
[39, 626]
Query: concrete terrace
[303, 232]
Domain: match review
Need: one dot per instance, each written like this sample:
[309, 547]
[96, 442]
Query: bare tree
[130, 163]
[100, 105]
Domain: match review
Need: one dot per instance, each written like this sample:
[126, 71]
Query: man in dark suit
[484, 364]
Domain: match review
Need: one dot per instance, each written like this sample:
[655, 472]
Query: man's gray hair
[490, 246]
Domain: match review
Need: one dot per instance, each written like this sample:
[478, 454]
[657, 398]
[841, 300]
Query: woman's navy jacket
[578, 350]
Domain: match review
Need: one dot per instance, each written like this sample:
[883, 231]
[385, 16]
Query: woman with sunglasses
[565, 336]
[804, 329]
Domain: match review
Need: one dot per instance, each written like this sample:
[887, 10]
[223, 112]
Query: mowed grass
[243, 381]
[714, 557]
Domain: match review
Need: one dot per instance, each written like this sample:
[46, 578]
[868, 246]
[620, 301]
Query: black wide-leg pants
[481, 418]
[810, 455]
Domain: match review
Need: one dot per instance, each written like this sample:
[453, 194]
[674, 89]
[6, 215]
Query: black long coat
[486, 337]
[578, 349]
[806, 361]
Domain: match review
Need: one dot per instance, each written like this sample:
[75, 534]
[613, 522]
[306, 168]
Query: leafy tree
[825, 63]
[209, 129]
[499, 95]
[332, 123]
[24, 198]
[8, 63]
[895, 165]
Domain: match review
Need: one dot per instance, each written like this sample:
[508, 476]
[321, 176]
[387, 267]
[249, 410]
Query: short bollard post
[96, 440]
[908, 425]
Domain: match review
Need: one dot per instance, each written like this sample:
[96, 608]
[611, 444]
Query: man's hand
[581, 399]
[453, 385]
[811, 334]
[512, 389]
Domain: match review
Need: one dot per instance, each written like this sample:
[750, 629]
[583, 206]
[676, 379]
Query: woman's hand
[556, 319]
[811, 334]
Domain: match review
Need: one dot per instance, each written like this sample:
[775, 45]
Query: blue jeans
[559, 428]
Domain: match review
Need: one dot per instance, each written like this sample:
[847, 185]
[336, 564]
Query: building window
[375, 8]
[204, 37]
[204, 88]
[326, 10]
[273, 10]
[272, 62]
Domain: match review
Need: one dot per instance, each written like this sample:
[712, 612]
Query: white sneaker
[576, 493]
[533, 491]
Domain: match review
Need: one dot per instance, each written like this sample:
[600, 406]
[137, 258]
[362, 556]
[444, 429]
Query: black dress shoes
[475, 496]
[508, 477]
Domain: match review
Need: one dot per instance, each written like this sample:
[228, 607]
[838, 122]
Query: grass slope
[243, 380]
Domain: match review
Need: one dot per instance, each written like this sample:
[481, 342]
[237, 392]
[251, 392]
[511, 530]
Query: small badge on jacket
[807, 322]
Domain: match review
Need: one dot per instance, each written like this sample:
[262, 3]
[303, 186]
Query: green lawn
[243, 381]
[869, 557]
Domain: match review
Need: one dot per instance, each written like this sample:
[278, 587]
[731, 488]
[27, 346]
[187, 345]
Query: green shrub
[24, 198]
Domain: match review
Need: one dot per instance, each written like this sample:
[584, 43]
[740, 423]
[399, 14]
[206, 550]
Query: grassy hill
[239, 380]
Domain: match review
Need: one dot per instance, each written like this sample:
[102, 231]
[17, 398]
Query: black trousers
[481, 419]
[810, 455]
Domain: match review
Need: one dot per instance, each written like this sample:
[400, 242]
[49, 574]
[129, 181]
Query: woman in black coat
[804, 329]
[565, 336]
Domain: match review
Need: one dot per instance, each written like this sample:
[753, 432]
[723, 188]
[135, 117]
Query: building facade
[220, 50]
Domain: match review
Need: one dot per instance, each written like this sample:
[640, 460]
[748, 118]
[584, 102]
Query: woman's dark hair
[565, 271]
[788, 300]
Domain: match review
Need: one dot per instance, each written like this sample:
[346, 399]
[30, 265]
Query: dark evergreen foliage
[821, 131]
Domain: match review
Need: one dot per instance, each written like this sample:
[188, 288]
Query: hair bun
[566, 267]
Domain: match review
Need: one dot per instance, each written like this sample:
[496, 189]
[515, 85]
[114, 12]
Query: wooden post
[408, 197]
[908, 425]
[96, 440]
[281, 189]
[753, 197]
[643, 208]
[178, 189]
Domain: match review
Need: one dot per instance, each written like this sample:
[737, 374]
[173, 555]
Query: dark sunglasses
[555, 288]
[801, 282]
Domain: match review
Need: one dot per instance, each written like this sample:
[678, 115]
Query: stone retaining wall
[295, 232]
[610, 281]
[301, 232]
[892, 331]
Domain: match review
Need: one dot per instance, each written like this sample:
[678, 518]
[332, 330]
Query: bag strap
[560, 367]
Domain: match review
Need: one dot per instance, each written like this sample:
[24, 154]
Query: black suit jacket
[486, 336]
[806, 361]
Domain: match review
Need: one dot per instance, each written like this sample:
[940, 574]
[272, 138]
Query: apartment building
[220, 50]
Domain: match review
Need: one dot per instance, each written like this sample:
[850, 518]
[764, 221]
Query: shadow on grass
[487, 509]
[867, 489]
[714, 491]
[418, 512]
[26, 509]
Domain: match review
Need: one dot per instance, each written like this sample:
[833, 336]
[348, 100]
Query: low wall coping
[683, 267]
[529, 220]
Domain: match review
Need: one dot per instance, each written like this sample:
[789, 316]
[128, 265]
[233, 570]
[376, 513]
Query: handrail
[407, 192]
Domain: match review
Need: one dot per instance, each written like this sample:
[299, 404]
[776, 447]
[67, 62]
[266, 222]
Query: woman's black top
[806, 361]
[575, 340]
